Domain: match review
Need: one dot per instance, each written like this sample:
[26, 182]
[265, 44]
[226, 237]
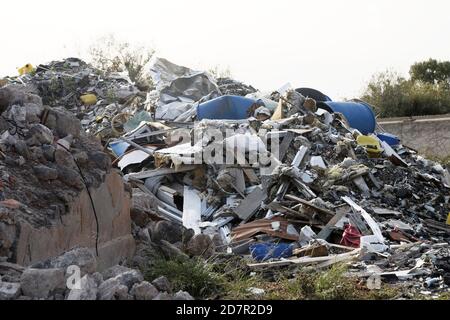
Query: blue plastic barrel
[313, 94]
[358, 114]
[225, 107]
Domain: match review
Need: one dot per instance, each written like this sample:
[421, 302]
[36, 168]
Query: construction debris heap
[281, 178]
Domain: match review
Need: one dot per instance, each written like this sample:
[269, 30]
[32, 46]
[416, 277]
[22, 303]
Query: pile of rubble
[49, 280]
[219, 167]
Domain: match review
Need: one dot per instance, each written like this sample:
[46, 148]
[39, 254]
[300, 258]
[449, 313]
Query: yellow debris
[89, 99]
[28, 68]
[371, 144]
[448, 219]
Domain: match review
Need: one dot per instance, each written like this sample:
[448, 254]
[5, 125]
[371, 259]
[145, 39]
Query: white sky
[334, 46]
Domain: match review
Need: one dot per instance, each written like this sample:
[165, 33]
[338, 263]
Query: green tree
[394, 96]
[111, 55]
[431, 71]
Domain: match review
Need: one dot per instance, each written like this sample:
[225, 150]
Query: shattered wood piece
[375, 181]
[250, 204]
[304, 189]
[372, 224]
[295, 163]
[158, 172]
[325, 261]
[397, 224]
[308, 204]
[285, 144]
[251, 175]
[134, 144]
[392, 155]
[238, 179]
[357, 221]
[276, 227]
[383, 211]
[362, 185]
[278, 207]
[314, 250]
[437, 225]
[326, 231]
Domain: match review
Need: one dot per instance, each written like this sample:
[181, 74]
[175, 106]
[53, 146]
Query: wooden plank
[307, 203]
[329, 260]
[285, 144]
[326, 231]
[157, 172]
[250, 204]
[251, 175]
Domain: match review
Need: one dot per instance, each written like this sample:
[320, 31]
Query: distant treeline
[425, 92]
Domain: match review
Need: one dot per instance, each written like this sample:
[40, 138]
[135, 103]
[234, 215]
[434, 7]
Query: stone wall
[428, 135]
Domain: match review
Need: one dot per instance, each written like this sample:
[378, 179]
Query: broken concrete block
[165, 230]
[9, 290]
[144, 291]
[201, 245]
[182, 295]
[114, 271]
[39, 135]
[162, 284]
[40, 283]
[107, 290]
[129, 278]
[163, 296]
[81, 257]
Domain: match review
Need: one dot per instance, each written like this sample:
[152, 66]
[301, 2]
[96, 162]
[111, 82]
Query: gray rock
[122, 293]
[81, 257]
[88, 290]
[169, 231]
[100, 160]
[81, 158]
[39, 135]
[49, 152]
[114, 271]
[107, 290]
[70, 177]
[172, 251]
[144, 291]
[9, 290]
[39, 283]
[111, 289]
[45, 173]
[22, 149]
[163, 296]
[63, 122]
[129, 278]
[33, 112]
[13, 94]
[182, 295]
[98, 278]
[201, 245]
[64, 158]
[162, 284]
